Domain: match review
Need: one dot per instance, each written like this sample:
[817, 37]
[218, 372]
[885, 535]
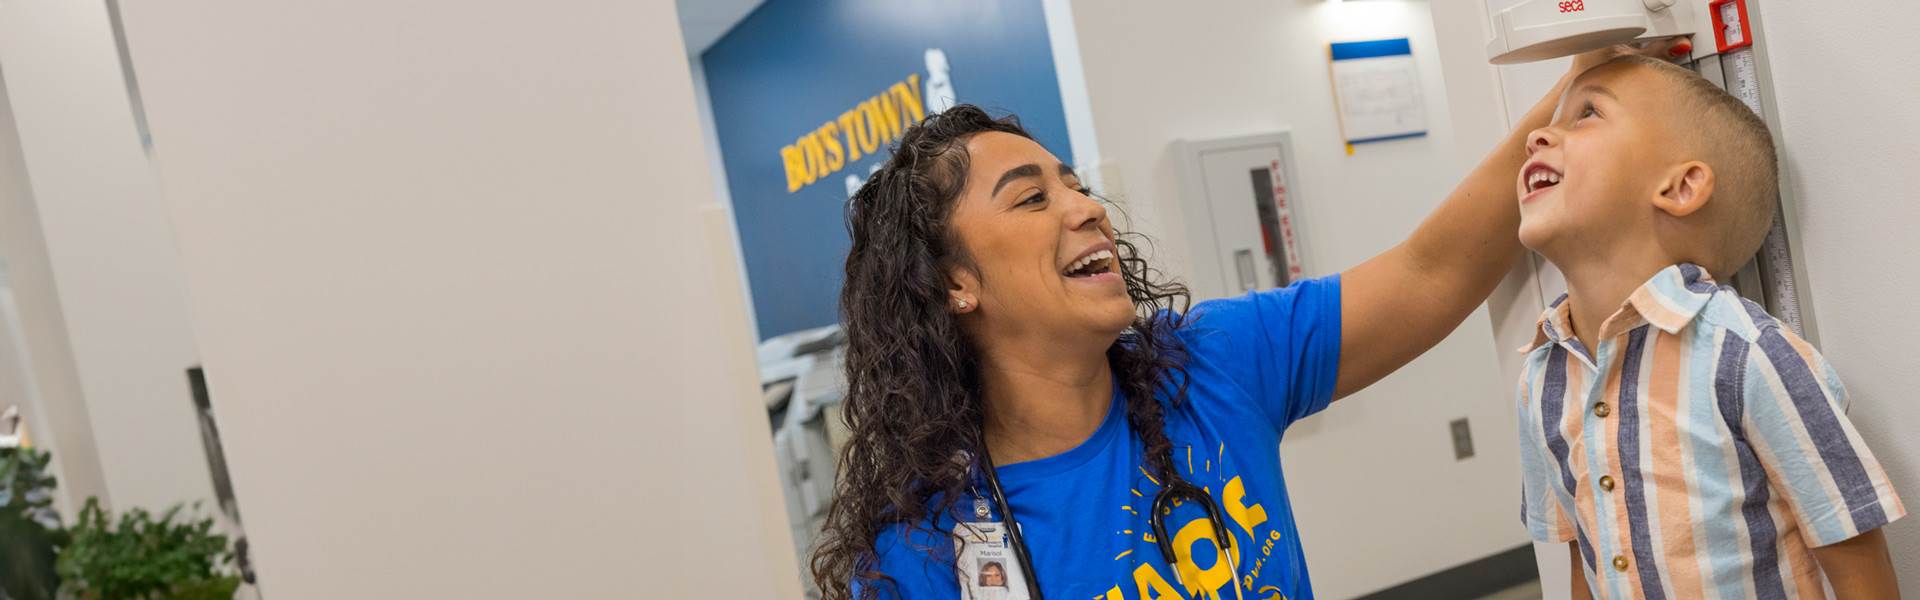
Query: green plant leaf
[143, 557]
[30, 533]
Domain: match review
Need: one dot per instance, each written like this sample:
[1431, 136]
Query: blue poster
[808, 96]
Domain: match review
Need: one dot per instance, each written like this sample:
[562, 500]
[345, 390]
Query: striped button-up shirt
[1698, 452]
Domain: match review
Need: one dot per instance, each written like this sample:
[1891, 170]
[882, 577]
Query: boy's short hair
[1727, 135]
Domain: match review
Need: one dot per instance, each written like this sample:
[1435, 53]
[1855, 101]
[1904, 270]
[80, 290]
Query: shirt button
[1606, 482]
[1600, 409]
[1620, 564]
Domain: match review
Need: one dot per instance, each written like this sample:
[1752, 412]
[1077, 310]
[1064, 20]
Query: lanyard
[1174, 491]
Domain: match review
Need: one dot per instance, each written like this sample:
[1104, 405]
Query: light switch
[1462, 440]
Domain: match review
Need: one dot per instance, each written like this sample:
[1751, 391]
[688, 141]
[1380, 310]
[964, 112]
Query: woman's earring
[962, 304]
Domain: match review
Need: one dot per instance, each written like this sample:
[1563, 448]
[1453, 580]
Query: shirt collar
[1670, 300]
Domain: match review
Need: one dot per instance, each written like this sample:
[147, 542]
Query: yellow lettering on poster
[852, 127]
[836, 156]
[908, 94]
[816, 156]
[796, 167]
[886, 113]
[863, 129]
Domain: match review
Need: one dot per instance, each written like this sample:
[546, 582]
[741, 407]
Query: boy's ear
[1686, 188]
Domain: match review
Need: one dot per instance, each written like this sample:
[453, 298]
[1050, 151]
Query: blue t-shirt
[1255, 364]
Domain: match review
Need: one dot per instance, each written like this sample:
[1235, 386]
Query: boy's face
[1591, 176]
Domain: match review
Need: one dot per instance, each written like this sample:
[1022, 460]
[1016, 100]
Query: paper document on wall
[1377, 89]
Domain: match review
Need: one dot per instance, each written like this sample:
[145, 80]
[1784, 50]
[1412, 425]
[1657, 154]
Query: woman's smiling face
[1041, 249]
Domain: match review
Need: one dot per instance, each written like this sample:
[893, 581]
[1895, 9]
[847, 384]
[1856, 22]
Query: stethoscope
[1171, 493]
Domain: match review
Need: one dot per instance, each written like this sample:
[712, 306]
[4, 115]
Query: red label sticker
[1288, 243]
[1573, 6]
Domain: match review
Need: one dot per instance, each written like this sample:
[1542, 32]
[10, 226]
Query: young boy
[1686, 444]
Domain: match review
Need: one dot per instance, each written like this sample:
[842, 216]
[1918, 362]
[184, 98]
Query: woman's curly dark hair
[913, 398]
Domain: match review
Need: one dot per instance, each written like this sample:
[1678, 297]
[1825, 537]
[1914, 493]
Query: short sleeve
[1540, 508]
[1282, 345]
[1795, 420]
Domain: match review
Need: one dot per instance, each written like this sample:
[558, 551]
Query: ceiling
[702, 22]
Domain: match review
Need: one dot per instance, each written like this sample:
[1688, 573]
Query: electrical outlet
[1462, 439]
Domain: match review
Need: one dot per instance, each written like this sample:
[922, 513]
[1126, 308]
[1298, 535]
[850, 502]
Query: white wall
[466, 303]
[1064, 41]
[716, 168]
[1845, 79]
[109, 259]
[38, 373]
[1378, 495]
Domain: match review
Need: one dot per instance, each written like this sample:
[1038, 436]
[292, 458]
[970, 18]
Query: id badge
[988, 568]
